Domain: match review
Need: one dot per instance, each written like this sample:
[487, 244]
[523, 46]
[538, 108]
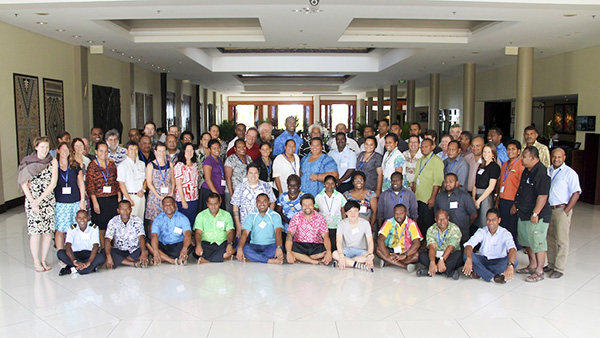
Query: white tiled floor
[254, 300]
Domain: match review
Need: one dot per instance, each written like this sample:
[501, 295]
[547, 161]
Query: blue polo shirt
[170, 230]
[263, 228]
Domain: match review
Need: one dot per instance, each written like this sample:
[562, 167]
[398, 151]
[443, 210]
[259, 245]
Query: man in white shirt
[131, 175]
[383, 128]
[81, 248]
[350, 142]
[346, 162]
[497, 255]
[240, 133]
[564, 193]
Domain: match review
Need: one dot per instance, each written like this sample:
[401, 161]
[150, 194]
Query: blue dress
[321, 165]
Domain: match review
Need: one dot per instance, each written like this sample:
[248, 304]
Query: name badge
[397, 250]
[223, 183]
[439, 254]
[66, 190]
[480, 171]
[453, 205]
[418, 181]
[502, 189]
[344, 164]
[262, 224]
[354, 231]
[85, 236]
[178, 231]
[220, 224]
[363, 209]
[164, 190]
[107, 189]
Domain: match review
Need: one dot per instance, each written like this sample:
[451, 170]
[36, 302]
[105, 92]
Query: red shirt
[253, 152]
[95, 180]
[510, 180]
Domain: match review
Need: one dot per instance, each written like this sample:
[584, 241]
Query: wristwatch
[279, 247]
[230, 243]
[510, 264]
[534, 214]
[441, 258]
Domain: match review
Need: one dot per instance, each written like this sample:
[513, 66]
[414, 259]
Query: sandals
[39, 267]
[534, 277]
[526, 271]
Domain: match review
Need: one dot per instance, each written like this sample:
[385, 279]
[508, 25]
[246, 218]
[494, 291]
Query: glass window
[339, 114]
[245, 114]
[286, 110]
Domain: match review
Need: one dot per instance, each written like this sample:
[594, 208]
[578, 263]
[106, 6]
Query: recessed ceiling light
[76, 36]
[123, 54]
[475, 52]
[60, 30]
[41, 22]
[113, 50]
[90, 41]
[42, 13]
[569, 15]
[180, 62]
[139, 60]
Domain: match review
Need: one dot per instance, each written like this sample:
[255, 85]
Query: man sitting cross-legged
[399, 240]
[81, 248]
[171, 235]
[125, 240]
[354, 240]
[264, 227]
[214, 233]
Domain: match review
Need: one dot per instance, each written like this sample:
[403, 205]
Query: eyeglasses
[358, 180]
[187, 139]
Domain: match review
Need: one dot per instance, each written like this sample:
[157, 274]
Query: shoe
[500, 279]
[556, 274]
[381, 263]
[422, 273]
[474, 275]
[64, 271]
[411, 268]
[455, 275]
[548, 269]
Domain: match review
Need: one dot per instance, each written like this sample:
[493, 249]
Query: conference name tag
[85, 237]
[220, 224]
[354, 231]
[453, 205]
[223, 183]
[480, 171]
[439, 254]
[164, 190]
[418, 181]
[397, 250]
[66, 190]
[344, 164]
[363, 209]
[502, 189]
[107, 189]
[178, 231]
[262, 224]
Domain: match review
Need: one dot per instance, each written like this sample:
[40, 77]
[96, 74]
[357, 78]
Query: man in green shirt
[443, 255]
[214, 233]
[429, 176]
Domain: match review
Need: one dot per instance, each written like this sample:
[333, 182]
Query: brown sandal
[526, 271]
[534, 277]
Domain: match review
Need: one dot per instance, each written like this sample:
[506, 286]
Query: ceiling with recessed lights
[336, 46]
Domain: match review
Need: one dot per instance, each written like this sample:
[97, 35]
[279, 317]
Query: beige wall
[147, 82]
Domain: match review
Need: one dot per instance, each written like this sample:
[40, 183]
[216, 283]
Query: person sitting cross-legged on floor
[354, 240]
[171, 235]
[81, 248]
[125, 239]
[443, 255]
[264, 228]
[214, 232]
[399, 240]
[497, 255]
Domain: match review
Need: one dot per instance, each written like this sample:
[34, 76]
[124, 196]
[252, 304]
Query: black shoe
[556, 274]
[454, 275]
[422, 273]
[64, 271]
[548, 269]
[500, 279]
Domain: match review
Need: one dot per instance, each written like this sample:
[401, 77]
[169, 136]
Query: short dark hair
[493, 211]
[294, 177]
[396, 124]
[395, 173]
[214, 195]
[384, 120]
[428, 140]
[286, 142]
[400, 206]
[317, 139]
[123, 201]
[369, 126]
[101, 142]
[307, 197]
[452, 174]
[351, 204]
[414, 136]
[467, 134]
[213, 141]
[168, 198]
[530, 128]
[262, 194]
[516, 143]
[330, 177]
[359, 173]
[416, 124]
[186, 133]
[371, 138]
[150, 122]
[158, 144]
[238, 141]
[454, 141]
[130, 143]
[252, 165]
[497, 130]
[533, 151]
[63, 134]
[432, 133]
[214, 125]
[252, 129]
[181, 156]
[340, 133]
[393, 136]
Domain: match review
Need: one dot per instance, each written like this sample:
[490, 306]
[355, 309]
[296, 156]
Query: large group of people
[464, 204]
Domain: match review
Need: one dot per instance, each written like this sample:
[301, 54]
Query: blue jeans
[488, 268]
[259, 253]
[190, 212]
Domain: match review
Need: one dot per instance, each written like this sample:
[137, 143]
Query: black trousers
[203, 200]
[426, 217]
[453, 262]
[81, 256]
[508, 221]
[343, 187]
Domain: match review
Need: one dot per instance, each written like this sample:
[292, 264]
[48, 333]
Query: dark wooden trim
[163, 99]
[19, 201]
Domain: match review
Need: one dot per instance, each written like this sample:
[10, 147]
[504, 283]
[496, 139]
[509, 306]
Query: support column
[380, 114]
[370, 115]
[82, 91]
[468, 113]
[434, 101]
[410, 101]
[393, 103]
[163, 99]
[524, 90]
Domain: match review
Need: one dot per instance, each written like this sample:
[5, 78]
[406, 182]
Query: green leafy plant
[227, 130]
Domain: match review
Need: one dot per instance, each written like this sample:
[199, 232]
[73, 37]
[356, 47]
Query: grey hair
[112, 132]
[315, 125]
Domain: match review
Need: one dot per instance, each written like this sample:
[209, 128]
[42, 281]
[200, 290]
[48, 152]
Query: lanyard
[239, 158]
[143, 157]
[66, 177]
[510, 167]
[160, 170]
[441, 240]
[268, 165]
[102, 171]
[290, 162]
[554, 176]
[424, 165]
[329, 207]
[394, 200]
[361, 163]
[221, 168]
[452, 166]
[403, 231]
[389, 156]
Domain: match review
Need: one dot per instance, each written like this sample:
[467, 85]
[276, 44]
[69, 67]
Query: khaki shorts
[533, 235]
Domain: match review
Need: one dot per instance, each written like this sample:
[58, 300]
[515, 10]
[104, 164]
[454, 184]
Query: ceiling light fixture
[90, 41]
[41, 22]
[60, 30]
[569, 15]
[76, 36]
[42, 13]
[306, 10]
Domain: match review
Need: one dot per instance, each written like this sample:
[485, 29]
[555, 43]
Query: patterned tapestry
[54, 109]
[27, 113]
[107, 108]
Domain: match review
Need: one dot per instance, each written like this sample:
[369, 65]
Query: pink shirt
[308, 231]
[189, 181]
